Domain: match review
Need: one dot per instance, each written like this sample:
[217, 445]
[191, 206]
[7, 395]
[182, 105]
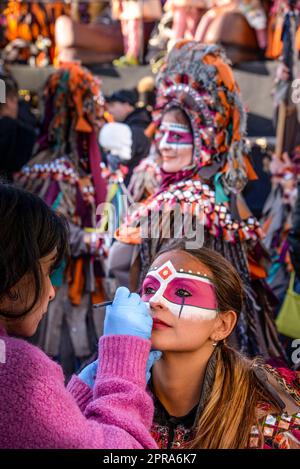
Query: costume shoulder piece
[280, 430]
[193, 198]
[287, 380]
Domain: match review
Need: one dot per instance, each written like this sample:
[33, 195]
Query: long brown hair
[230, 409]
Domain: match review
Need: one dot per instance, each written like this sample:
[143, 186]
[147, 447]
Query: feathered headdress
[198, 79]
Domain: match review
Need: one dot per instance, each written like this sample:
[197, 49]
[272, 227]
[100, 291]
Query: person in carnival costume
[284, 167]
[276, 26]
[201, 126]
[206, 394]
[132, 14]
[116, 143]
[66, 174]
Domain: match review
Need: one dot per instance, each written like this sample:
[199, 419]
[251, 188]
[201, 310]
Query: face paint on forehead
[185, 294]
[175, 127]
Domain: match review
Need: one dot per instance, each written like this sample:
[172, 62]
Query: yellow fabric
[288, 319]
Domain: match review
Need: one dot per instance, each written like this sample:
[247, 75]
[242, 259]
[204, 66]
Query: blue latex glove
[154, 356]
[128, 315]
[88, 374]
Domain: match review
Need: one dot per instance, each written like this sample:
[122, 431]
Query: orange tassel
[250, 170]
[256, 271]
[298, 39]
[224, 71]
[236, 125]
[265, 227]
[150, 130]
[99, 295]
[219, 138]
[275, 43]
[83, 125]
[24, 32]
[242, 207]
[77, 284]
[241, 234]
[225, 168]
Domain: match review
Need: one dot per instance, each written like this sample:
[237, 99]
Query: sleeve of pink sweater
[37, 411]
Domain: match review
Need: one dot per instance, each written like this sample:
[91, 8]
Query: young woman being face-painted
[181, 295]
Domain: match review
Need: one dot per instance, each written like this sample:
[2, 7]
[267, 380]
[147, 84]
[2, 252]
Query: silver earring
[215, 343]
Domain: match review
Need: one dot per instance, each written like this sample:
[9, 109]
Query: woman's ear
[225, 323]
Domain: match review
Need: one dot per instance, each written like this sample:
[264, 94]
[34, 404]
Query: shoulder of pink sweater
[22, 359]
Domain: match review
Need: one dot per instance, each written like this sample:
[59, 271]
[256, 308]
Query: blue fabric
[221, 197]
[57, 277]
[57, 201]
[154, 356]
[88, 374]
[297, 285]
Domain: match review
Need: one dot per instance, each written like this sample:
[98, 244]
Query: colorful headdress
[76, 103]
[198, 79]
[68, 159]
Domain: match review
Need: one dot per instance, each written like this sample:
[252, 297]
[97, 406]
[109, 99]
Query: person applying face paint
[206, 394]
[37, 411]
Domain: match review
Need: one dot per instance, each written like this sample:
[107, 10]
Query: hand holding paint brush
[128, 314]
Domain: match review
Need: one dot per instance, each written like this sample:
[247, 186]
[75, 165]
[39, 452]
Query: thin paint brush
[102, 305]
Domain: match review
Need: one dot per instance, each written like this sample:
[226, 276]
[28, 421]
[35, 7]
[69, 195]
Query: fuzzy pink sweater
[37, 411]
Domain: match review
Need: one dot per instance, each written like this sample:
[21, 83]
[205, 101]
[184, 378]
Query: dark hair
[180, 114]
[30, 230]
[129, 96]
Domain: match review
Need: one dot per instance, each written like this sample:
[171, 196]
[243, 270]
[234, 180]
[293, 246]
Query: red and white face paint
[173, 136]
[186, 294]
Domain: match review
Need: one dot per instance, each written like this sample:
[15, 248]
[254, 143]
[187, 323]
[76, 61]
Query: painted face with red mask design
[186, 294]
[174, 141]
[182, 299]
